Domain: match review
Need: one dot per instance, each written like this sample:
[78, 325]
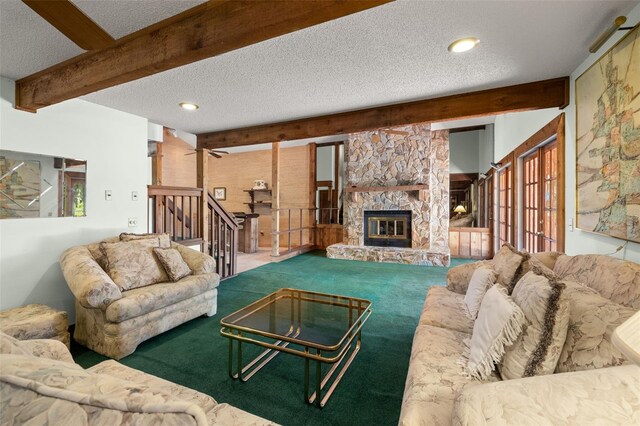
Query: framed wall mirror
[35, 185]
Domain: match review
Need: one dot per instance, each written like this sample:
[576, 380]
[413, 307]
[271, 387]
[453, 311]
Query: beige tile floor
[248, 261]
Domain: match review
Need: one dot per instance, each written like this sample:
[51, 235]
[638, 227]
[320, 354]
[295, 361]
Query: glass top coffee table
[321, 328]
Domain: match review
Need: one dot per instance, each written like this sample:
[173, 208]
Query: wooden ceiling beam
[521, 97]
[207, 30]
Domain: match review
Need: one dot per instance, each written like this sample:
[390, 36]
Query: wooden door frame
[554, 128]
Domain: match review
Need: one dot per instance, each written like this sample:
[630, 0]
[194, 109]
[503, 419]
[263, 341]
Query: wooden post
[202, 166]
[156, 166]
[275, 199]
[312, 192]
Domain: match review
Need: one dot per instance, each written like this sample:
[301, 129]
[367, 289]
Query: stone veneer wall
[406, 155]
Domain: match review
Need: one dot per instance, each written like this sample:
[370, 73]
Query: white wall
[115, 147]
[485, 151]
[464, 150]
[513, 129]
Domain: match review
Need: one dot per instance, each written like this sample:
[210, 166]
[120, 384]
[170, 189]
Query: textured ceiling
[394, 53]
[29, 44]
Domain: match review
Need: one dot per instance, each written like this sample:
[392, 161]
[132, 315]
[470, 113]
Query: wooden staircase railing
[178, 212]
[223, 238]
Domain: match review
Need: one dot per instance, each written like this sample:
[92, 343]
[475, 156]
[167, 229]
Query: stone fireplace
[404, 169]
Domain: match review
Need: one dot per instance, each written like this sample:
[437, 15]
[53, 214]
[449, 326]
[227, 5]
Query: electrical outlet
[133, 222]
[108, 195]
[571, 225]
[134, 195]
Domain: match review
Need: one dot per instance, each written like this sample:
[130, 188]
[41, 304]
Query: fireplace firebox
[387, 228]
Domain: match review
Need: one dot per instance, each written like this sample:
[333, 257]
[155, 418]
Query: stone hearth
[380, 161]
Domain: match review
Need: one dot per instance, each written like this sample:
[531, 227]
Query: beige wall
[237, 172]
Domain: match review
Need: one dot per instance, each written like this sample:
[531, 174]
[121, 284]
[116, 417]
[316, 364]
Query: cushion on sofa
[459, 276]
[164, 239]
[481, 280]
[617, 280]
[172, 262]
[133, 264]
[67, 394]
[444, 308]
[592, 320]
[609, 396]
[508, 265]
[547, 258]
[498, 325]
[546, 310]
[143, 300]
[434, 377]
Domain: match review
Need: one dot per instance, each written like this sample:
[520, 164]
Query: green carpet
[195, 355]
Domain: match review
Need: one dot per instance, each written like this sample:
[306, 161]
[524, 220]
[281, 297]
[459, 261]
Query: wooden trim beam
[204, 31]
[521, 97]
[275, 199]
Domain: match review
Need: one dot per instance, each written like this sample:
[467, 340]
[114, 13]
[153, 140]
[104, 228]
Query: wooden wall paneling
[204, 31]
[470, 243]
[237, 172]
[179, 162]
[275, 198]
[522, 97]
[327, 234]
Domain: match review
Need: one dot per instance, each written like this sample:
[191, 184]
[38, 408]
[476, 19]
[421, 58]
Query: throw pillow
[592, 320]
[546, 309]
[165, 239]
[481, 280]
[173, 263]
[498, 325]
[132, 264]
[508, 263]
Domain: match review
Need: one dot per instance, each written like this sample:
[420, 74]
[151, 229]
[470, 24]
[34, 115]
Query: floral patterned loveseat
[41, 385]
[593, 382]
[113, 322]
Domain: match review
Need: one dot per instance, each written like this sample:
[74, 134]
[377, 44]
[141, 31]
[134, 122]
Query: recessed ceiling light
[189, 106]
[463, 45]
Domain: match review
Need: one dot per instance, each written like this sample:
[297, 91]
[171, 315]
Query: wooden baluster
[184, 219]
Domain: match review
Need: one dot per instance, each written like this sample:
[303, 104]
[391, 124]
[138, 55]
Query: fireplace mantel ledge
[419, 187]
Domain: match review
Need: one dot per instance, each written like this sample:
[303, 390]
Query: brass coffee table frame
[347, 348]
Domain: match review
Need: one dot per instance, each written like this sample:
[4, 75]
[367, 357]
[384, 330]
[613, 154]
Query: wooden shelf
[257, 190]
[259, 204]
[385, 188]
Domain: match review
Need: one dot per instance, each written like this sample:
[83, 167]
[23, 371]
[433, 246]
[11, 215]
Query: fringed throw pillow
[165, 239]
[481, 280]
[508, 266]
[498, 325]
[546, 309]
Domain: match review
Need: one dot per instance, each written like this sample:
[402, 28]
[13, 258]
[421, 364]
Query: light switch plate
[133, 222]
[134, 195]
[108, 195]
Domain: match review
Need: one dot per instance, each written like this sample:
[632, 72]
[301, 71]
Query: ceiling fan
[213, 152]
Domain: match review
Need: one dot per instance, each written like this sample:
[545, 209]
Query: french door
[540, 199]
[504, 232]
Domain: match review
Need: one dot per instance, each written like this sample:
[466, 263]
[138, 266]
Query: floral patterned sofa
[114, 322]
[593, 384]
[41, 385]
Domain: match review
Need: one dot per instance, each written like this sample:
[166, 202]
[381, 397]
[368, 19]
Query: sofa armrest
[88, 282]
[199, 263]
[600, 396]
[48, 348]
[458, 277]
